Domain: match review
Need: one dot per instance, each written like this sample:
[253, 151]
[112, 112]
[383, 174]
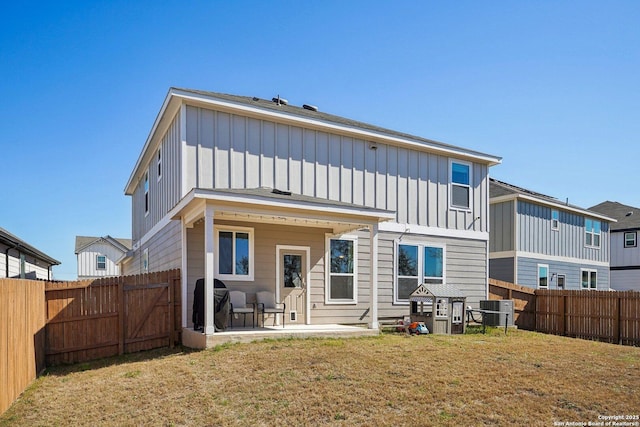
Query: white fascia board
[559, 205]
[543, 257]
[433, 231]
[363, 133]
[256, 200]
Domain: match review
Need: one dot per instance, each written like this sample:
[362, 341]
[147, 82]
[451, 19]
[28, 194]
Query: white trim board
[543, 257]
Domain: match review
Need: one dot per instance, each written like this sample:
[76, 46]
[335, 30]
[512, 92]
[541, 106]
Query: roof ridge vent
[280, 101]
[309, 107]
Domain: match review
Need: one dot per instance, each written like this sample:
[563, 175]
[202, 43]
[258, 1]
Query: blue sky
[553, 87]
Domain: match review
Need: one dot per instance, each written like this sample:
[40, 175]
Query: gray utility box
[498, 319]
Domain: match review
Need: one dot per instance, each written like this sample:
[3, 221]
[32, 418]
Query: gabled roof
[10, 240]
[628, 217]
[257, 107]
[82, 242]
[501, 191]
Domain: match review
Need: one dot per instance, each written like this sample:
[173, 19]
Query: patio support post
[209, 241]
[373, 242]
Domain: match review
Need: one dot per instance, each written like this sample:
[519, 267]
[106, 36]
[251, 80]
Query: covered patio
[271, 225]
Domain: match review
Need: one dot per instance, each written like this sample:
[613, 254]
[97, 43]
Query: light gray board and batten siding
[502, 230]
[225, 151]
[536, 236]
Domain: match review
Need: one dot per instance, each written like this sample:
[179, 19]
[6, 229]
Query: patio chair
[267, 305]
[239, 305]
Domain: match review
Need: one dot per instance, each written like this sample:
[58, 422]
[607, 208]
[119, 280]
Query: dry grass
[523, 379]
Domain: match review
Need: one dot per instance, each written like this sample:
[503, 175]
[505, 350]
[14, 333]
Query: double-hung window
[460, 185]
[417, 263]
[630, 239]
[555, 219]
[234, 260]
[592, 232]
[146, 193]
[342, 261]
[543, 276]
[101, 262]
[589, 279]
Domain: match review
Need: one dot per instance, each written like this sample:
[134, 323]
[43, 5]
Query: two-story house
[625, 252]
[100, 256]
[254, 192]
[18, 259]
[541, 242]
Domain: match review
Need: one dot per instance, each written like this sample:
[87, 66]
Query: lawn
[522, 378]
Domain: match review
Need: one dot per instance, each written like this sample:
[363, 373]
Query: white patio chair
[238, 302]
[267, 305]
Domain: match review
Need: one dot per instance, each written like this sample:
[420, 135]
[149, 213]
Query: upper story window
[235, 253]
[555, 219]
[630, 239]
[592, 232]
[145, 260]
[589, 279]
[460, 185]
[342, 261]
[101, 262]
[543, 276]
[159, 163]
[146, 193]
[415, 264]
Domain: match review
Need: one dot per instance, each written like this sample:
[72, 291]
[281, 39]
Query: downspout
[6, 257]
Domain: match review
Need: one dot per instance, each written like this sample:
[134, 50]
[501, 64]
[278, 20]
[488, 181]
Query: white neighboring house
[19, 259]
[99, 256]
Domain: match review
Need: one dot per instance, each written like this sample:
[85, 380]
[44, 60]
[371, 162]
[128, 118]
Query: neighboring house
[340, 219]
[625, 252]
[19, 259]
[541, 242]
[99, 256]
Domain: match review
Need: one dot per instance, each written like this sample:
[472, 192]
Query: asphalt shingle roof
[628, 216]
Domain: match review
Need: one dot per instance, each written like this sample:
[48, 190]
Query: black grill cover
[220, 305]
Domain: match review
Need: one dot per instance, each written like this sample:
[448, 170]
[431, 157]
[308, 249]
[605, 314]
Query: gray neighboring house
[625, 252]
[99, 256]
[544, 243]
[340, 219]
[18, 259]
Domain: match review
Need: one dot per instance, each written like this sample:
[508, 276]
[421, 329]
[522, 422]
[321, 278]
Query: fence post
[171, 309]
[562, 304]
[616, 325]
[121, 332]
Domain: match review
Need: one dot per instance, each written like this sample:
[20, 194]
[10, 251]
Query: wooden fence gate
[93, 319]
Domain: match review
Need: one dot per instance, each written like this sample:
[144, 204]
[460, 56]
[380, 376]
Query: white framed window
[416, 263]
[159, 163]
[555, 220]
[234, 260]
[101, 262]
[145, 260]
[630, 239]
[146, 193]
[460, 184]
[341, 261]
[441, 307]
[589, 278]
[592, 229]
[543, 276]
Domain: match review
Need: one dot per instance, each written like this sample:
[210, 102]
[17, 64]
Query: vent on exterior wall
[310, 107]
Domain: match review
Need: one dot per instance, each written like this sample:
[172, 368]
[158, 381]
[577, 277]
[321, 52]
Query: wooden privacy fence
[94, 319]
[22, 323]
[598, 315]
[524, 302]
[608, 316]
